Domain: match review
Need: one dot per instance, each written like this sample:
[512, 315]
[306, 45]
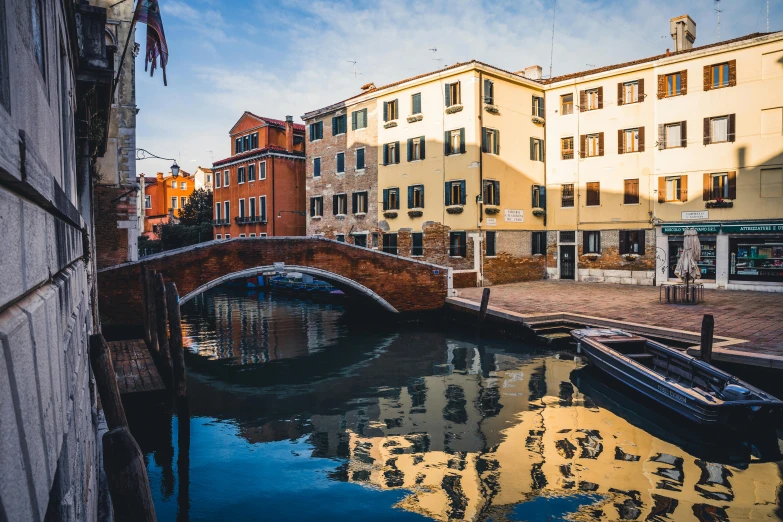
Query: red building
[260, 189]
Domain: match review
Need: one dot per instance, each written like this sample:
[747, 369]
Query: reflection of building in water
[254, 329]
[469, 446]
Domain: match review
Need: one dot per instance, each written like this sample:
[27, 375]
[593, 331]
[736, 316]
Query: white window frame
[182, 201]
[218, 211]
[634, 133]
[668, 143]
[356, 155]
[591, 96]
[251, 206]
[631, 88]
[318, 212]
[226, 178]
[218, 236]
[671, 190]
[359, 196]
[173, 202]
[342, 196]
[227, 211]
[183, 185]
[262, 234]
[258, 175]
[252, 234]
[242, 207]
[147, 201]
[712, 129]
[589, 140]
[241, 235]
[262, 207]
[227, 236]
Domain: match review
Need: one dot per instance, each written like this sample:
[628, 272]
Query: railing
[221, 222]
[249, 220]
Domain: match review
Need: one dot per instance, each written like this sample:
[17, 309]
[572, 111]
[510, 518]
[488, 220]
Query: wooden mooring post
[144, 300]
[175, 340]
[152, 311]
[164, 354]
[482, 311]
[106, 380]
[707, 330]
[127, 477]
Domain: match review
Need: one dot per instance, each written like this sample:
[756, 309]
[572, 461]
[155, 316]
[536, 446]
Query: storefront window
[707, 261]
[756, 259]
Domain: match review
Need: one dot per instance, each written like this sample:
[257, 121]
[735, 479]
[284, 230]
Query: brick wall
[111, 241]
[514, 261]
[405, 284]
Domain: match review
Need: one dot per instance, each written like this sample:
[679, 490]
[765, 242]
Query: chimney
[368, 87]
[683, 31]
[289, 133]
[533, 72]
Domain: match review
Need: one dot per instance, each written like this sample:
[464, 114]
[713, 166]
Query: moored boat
[691, 387]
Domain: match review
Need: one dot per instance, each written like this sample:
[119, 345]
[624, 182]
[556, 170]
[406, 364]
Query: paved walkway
[756, 317]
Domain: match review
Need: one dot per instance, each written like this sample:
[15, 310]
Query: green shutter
[484, 141]
[385, 199]
[532, 149]
[421, 189]
[422, 141]
[497, 192]
[397, 148]
[385, 154]
[410, 196]
[448, 95]
[385, 111]
[355, 202]
[496, 149]
[334, 126]
[463, 195]
[447, 143]
[410, 149]
[542, 196]
[447, 193]
[462, 140]
[353, 120]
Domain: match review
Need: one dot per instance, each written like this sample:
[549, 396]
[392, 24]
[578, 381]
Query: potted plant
[631, 257]
[414, 213]
[538, 211]
[390, 214]
[454, 209]
[491, 210]
[719, 203]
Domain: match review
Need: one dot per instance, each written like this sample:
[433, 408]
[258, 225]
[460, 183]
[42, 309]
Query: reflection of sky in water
[413, 424]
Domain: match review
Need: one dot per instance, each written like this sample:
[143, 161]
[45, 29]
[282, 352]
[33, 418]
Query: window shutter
[422, 141]
[583, 146]
[397, 149]
[354, 114]
[661, 86]
[600, 143]
[396, 108]
[661, 136]
[312, 207]
[733, 184]
[422, 195]
[410, 196]
[582, 101]
[620, 140]
[541, 107]
[447, 143]
[447, 193]
[623, 242]
[542, 196]
[640, 238]
[355, 202]
[732, 73]
[385, 111]
[462, 140]
[385, 199]
[463, 244]
[448, 95]
[334, 204]
[684, 133]
[497, 192]
[410, 149]
[662, 189]
[496, 150]
[585, 241]
[334, 126]
[706, 188]
[484, 140]
[533, 106]
[707, 138]
[641, 139]
[458, 99]
[707, 77]
[684, 188]
[463, 195]
[360, 159]
[600, 97]
[620, 92]
[312, 129]
[732, 127]
[386, 154]
[533, 202]
[641, 90]
[598, 241]
[684, 82]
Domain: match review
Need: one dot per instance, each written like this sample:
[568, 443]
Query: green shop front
[733, 254]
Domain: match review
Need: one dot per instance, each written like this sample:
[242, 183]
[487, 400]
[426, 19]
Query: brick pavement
[756, 317]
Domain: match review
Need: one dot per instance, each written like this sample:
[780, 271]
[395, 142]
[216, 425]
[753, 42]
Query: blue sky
[279, 57]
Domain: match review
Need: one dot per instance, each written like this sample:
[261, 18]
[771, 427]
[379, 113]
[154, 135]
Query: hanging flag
[148, 12]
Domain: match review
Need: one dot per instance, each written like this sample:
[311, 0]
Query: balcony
[221, 222]
[250, 220]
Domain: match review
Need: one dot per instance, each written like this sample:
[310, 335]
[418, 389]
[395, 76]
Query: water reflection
[389, 425]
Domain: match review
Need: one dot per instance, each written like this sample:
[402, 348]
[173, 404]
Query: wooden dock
[135, 369]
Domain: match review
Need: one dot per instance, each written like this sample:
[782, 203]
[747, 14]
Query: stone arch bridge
[395, 283]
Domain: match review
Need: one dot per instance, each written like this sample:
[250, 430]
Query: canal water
[300, 411]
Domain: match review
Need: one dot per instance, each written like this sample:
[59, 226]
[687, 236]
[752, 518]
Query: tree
[198, 209]
[195, 223]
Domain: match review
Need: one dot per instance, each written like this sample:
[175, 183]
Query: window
[227, 236]
[317, 206]
[217, 211]
[251, 206]
[538, 199]
[416, 103]
[719, 129]
[38, 33]
[251, 172]
[237, 145]
[454, 142]
[631, 192]
[538, 106]
[218, 236]
[416, 196]
[174, 202]
[491, 242]
[536, 149]
[147, 201]
[453, 95]
[491, 192]
[593, 194]
[591, 242]
[455, 193]
[629, 92]
[209, 178]
[183, 185]
[262, 170]
[217, 179]
[672, 135]
[173, 184]
[227, 211]
[567, 148]
[252, 234]
[673, 189]
[339, 125]
[226, 178]
[339, 204]
[341, 162]
[567, 195]
[360, 240]
[538, 242]
[254, 140]
[632, 242]
[359, 119]
[416, 148]
[592, 145]
[246, 143]
[719, 185]
[359, 202]
[262, 208]
[489, 92]
[566, 104]
[340, 238]
[391, 153]
[390, 110]
[719, 75]
[671, 84]
[417, 244]
[490, 141]
[241, 208]
[391, 199]
[629, 141]
[240, 175]
[182, 201]
[359, 159]
[375, 239]
[316, 167]
[389, 243]
[316, 131]
[592, 99]
[458, 244]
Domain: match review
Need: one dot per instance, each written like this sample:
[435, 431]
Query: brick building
[342, 172]
[164, 198]
[260, 189]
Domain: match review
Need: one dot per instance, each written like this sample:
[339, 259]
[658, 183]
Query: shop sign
[699, 214]
[753, 227]
[700, 229]
[492, 222]
[514, 216]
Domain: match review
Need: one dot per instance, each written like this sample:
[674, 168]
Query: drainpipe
[481, 174]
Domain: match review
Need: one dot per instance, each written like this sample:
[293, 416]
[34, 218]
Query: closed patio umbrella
[687, 265]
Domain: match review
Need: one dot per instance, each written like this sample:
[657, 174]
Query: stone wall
[612, 267]
[113, 219]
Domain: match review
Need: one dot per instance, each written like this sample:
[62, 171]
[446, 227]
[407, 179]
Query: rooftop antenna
[355, 74]
[591, 65]
[435, 50]
[552, 46]
[719, 11]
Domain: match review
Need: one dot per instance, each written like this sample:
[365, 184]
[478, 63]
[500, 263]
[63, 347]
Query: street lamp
[142, 154]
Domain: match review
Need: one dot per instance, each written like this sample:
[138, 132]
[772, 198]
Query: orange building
[260, 189]
[164, 197]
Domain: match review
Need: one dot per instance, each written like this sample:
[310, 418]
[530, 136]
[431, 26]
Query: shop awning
[701, 229]
[752, 228]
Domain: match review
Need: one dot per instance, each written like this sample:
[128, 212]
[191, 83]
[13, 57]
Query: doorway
[567, 261]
